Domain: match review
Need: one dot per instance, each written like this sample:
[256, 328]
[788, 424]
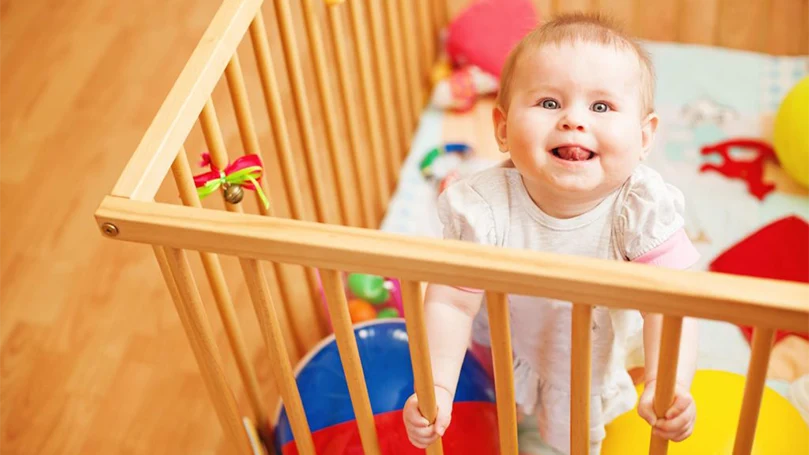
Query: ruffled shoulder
[465, 214]
[650, 223]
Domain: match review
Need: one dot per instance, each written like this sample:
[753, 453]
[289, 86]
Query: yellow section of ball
[718, 395]
[791, 133]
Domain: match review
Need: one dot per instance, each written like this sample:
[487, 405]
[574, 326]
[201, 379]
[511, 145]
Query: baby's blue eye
[600, 107]
[550, 104]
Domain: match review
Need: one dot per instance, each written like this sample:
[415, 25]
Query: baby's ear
[648, 130]
[500, 132]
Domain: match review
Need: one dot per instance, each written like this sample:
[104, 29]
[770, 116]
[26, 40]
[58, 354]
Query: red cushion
[484, 33]
[778, 251]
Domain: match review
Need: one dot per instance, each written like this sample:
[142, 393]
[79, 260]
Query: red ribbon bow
[245, 171]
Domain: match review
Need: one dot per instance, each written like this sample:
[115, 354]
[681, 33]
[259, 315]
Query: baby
[575, 113]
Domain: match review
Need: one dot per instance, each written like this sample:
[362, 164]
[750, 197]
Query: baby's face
[575, 120]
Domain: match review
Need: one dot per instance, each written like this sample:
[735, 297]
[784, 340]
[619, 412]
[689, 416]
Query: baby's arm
[651, 227]
[449, 313]
[687, 362]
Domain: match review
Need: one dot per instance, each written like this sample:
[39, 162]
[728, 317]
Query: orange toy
[360, 310]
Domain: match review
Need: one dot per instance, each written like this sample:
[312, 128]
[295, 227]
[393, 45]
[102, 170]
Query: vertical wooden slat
[666, 375]
[349, 207]
[272, 98]
[580, 374]
[413, 305]
[698, 28]
[403, 105]
[801, 46]
[283, 375]
[544, 9]
[303, 320]
[753, 390]
[417, 95]
[503, 364]
[790, 36]
[660, 23]
[573, 6]
[735, 30]
[358, 150]
[621, 11]
[279, 341]
[427, 54]
[371, 102]
[244, 120]
[224, 303]
[184, 293]
[350, 357]
[384, 82]
[439, 17]
[326, 212]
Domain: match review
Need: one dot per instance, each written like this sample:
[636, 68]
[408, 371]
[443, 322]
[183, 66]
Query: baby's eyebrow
[541, 88]
[603, 93]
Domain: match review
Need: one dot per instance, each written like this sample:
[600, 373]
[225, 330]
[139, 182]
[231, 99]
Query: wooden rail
[741, 300]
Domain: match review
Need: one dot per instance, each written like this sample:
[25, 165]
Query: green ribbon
[240, 177]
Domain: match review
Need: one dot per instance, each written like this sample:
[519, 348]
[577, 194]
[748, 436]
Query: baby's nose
[569, 123]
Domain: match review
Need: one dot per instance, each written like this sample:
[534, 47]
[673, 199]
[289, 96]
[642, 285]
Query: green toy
[370, 288]
[386, 313]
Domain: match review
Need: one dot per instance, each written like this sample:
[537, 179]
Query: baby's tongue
[573, 153]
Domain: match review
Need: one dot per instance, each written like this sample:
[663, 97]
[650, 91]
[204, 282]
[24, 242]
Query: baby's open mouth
[573, 153]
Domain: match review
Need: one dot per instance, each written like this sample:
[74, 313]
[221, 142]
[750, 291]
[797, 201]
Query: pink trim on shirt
[677, 253]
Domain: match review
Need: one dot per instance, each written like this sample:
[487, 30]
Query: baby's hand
[419, 430]
[678, 423]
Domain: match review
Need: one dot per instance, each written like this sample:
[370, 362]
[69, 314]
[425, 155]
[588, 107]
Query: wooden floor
[93, 357]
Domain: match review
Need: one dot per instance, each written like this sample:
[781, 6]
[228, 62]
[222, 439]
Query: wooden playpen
[351, 77]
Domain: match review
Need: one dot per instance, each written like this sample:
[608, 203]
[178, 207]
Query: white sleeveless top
[494, 208]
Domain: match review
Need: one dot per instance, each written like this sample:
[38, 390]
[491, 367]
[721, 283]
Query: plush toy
[485, 32]
[462, 87]
[476, 45]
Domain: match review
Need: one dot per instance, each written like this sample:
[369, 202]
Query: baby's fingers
[673, 426]
[415, 420]
[677, 428]
[422, 437]
[646, 410]
[411, 414]
[681, 403]
[676, 434]
[683, 434]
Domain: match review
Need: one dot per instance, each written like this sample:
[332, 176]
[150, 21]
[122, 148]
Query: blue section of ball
[385, 357]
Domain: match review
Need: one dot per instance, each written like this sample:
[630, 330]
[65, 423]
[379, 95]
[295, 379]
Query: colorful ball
[385, 356]
[791, 133]
[718, 396]
[360, 310]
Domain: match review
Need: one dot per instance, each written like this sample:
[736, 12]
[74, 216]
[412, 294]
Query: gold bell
[234, 194]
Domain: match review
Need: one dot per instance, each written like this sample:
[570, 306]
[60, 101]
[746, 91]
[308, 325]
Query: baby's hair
[586, 27]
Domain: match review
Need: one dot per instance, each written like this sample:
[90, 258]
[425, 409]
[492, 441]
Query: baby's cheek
[618, 167]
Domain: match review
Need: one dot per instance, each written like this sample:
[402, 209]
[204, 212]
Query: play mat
[716, 108]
